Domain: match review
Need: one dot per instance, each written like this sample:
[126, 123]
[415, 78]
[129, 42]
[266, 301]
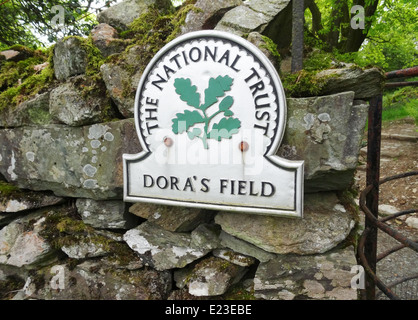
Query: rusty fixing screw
[168, 141]
[243, 146]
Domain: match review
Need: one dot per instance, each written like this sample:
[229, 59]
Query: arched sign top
[210, 114]
[222, 54]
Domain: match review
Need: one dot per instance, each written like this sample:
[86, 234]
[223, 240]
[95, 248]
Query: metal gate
[369, 201]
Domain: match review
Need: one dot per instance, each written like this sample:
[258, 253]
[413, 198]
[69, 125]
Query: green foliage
[272, 47]
[184, 121]
[22, 20]
[302, 84]
[390, 36]
[155, 28]
[7, 189]
[19, 80]
[217, 88]
[400, 103]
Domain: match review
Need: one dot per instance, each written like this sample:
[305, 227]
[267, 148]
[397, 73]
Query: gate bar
[372, 198]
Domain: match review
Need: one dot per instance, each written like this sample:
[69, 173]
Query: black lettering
[162, 178]
[168, 71]
[205, 187]
[252, 75]
[234, 63]
[210, 53]
[257, 87]
[175, 60]
[265, 128]
[185, 58]
[232, 186]
[224, 184]
[241, 187]
[251, 189]
[259, 106]
[150, 115]
[225, 57]
[156, 82]
[150, 101]
[199, 54]
[145, 181]
[262, 115]
[173, 183]
[188, 185]
[272, 189]
[149, 128]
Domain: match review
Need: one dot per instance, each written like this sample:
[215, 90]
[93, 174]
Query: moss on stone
[7, 189]
[272, 47]
[20, 81]
[9, 286]
[151, 31]
[301, 84]
[239, 292]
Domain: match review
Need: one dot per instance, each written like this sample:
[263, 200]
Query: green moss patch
[19, 80]
[7, 189]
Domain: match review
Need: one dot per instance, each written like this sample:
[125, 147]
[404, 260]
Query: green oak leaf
[194, 133]
[217, 88]
[226, 103]
[184, 121]
[187, 92]
[228, 113]
[225, 128]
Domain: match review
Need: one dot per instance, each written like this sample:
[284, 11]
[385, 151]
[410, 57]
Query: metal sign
[210, 114]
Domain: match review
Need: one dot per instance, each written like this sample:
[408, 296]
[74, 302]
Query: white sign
[210, 114]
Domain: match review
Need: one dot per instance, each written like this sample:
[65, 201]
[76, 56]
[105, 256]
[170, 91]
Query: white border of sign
[297, 166]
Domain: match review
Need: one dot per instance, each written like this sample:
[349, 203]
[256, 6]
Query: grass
[400, 103]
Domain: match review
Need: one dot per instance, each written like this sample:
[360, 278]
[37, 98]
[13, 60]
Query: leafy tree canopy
[389, 38]
[24, 21]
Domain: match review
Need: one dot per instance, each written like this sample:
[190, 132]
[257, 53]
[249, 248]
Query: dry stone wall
[65, 232]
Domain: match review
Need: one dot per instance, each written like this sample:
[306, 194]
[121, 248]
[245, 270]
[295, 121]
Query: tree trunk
[355, 37]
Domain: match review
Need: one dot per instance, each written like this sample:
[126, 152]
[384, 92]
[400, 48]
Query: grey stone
[31, 112]
[70, 58]
[270, 18]
[21, 53]
[27, 200]
[21, 243]
[206, 236]
[83, 162]
[93, 280]
[213, 276]
[326, 132]
[320, 277]
[124, 13]
[83, 249]
[412, 222]
[325, 224]
[105, 38]
[207, 15]
[11, 55]
[68, 105]
[179, 219]
[244, 247]
[365, 83]
[257, 39]
[111, 214]
[121, 87]
[163, 249]
[235, 258]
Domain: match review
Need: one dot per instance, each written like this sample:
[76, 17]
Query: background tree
[23, 22]
[389, 38]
